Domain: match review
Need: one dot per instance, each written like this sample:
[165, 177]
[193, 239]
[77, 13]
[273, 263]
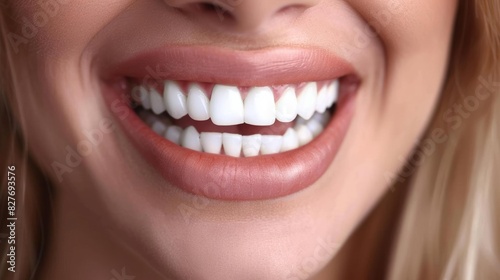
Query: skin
[114, 211]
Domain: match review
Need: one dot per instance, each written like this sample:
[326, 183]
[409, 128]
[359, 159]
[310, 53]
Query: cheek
[62, 27]
[408, 23]
[415, 37]
[393, 112]
[51, 37]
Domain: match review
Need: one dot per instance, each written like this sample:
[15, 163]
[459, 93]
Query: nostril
[213, 9]
[209, 7]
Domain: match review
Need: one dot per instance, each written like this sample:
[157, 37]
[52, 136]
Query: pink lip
[267, 67]
[222, 177]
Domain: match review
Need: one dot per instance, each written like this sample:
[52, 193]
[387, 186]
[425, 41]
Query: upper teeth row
[226, 106]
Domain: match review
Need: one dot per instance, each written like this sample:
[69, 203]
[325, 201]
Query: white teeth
[308, 108]
[157, 104]
[198, 104]
[174, 134]
[271, 144]
[321, 100]
[211, 142]
[251, 145]
[332, 93]
[314, 127]
[191, 139]
[145, 99]
[290, 140]
[232, 144]
[236, 145]
[260, 107]
[175, 100]
[286, 107]
[226, 106]
[304, 134]
[307, 100]
[322, 118]
[159, 127]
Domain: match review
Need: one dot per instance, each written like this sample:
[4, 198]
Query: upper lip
[263, 67]
[261, 177]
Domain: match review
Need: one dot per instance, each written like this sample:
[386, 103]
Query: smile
[211, 118]
[226, 136]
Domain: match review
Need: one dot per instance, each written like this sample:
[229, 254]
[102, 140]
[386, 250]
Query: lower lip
[238, 179]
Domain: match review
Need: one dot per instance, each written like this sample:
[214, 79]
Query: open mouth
[237, 121]
[266, 125]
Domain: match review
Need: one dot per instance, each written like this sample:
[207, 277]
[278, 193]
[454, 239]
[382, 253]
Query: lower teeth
[237, 145]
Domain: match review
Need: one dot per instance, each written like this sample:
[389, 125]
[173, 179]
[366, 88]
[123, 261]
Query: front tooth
[175, 100]
[232, 144]
[307, 100]
[174, 134]
[304, 134]
[321, 100]
[198, 104]
[226, 106]
[290, 140]
[332, 93]
[251, 145]
[260, 107]
[271, 144]
[211, 142]
[286, 107]
[157, 103]
[191, 139]
[145, 99]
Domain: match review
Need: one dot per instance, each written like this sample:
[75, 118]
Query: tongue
[277, 128]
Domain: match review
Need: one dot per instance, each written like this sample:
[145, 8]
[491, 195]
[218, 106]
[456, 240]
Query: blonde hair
[448, 228]
[32, 194]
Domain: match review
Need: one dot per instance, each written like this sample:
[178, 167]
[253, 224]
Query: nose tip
[242, 15]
